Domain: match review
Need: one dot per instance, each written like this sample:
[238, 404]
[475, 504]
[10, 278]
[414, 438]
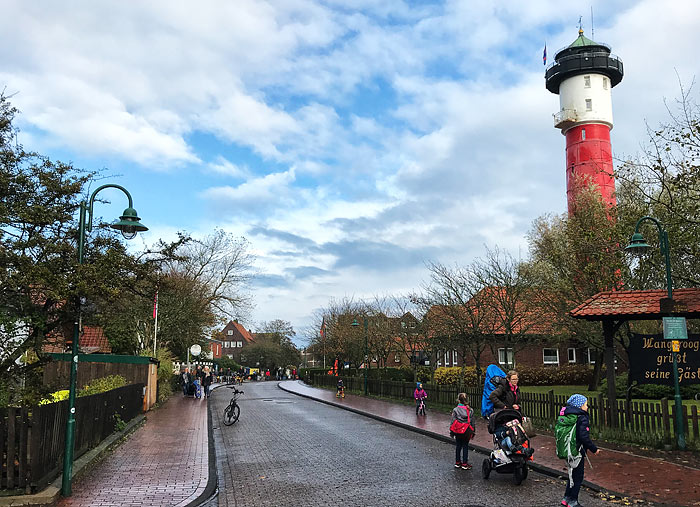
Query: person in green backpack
[573, 439]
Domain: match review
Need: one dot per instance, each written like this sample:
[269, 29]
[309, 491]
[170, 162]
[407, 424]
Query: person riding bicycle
[419, 395]
[341, 388]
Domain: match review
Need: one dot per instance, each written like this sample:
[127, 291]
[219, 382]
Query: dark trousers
[462, 447]
[572, 491]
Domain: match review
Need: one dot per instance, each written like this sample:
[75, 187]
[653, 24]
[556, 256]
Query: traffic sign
[675, 328]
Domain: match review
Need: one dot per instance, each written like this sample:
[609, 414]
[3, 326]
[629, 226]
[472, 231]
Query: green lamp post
[129, 225]
[355, 324]
[639, 245]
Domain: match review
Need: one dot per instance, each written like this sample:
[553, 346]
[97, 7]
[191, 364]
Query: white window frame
[454, 358]
[240, 344]
[568, 354]
[447, 358]
[544, 356]
[397, 358]
[230, 332]
[439, 360]
[506, 352]
[589, 104]
[588, 354]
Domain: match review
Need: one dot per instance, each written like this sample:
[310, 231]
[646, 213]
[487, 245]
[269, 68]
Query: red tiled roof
[638, 304]
[243, 331]
[92, 340]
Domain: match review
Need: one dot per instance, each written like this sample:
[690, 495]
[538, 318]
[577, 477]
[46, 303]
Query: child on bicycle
[419, 395]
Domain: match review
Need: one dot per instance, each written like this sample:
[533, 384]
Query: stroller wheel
[519, 474]
[485, 468]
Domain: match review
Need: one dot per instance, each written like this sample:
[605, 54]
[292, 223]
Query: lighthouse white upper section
[584, 98]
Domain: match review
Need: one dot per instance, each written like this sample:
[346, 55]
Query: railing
[32, 438]
[639, 420]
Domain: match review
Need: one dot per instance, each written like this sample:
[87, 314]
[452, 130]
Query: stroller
[512, 448]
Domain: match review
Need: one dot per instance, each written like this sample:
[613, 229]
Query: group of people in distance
[193, 382]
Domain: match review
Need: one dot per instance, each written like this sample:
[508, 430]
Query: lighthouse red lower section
[589, 160]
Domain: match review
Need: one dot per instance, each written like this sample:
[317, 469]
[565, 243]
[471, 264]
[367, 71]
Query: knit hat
[419, 385]
[576, 400]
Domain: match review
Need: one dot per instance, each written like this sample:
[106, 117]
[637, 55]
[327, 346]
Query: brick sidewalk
[649, 479]
[164, 463]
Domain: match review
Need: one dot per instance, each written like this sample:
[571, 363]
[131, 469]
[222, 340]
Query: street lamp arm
[663, 246]
[88, 224]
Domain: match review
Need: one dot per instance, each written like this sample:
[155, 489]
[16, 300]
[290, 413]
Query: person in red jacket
[418, 395]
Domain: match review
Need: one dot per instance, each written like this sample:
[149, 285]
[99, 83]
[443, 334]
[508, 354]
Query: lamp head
[638, 244]
[129, 224]
[355, 323]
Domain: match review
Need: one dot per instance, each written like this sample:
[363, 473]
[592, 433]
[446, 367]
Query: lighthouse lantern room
[583, 75]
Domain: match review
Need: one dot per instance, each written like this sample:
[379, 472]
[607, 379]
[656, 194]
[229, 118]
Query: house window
[439, 360]
[605, 83]
[505, 356]
[397, 358]
[227, 344]
[230, 356]
[550, 356]
[571, 353]
[229, 332]
[583, 138]
[454, 358]
[412, 325]
[589, 105]
[403, 325]
[240, 344]
[586, 81]
[591, 356]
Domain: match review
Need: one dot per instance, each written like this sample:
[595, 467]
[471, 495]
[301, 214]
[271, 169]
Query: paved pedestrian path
[640, 477]
[164, 463]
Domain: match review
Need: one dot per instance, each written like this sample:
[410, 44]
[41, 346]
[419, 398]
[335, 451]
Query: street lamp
[639, 245]
[129, 225]
[355, 324]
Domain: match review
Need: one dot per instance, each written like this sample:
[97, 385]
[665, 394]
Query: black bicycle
[233, 410]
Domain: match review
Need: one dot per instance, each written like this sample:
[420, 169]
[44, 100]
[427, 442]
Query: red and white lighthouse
[583, 75]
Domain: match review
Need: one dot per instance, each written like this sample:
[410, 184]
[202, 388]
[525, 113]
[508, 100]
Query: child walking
[419, 394]
[462, 429]
[573, 421]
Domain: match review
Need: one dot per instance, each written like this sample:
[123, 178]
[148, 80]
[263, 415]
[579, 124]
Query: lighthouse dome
[583, 56]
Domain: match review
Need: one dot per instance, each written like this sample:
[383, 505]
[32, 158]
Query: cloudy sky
[348, 140]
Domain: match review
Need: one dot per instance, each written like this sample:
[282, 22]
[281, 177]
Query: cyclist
[341, 389]
[419, 395]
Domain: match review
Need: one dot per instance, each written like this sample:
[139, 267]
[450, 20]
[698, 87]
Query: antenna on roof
[592, 31]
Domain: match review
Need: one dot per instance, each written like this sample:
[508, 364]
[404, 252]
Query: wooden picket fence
[32, 438]
[656, 419]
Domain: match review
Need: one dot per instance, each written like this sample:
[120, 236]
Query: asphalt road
[287, 450]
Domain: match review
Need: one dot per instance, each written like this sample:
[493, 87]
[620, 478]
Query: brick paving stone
[163, 463]
[289, 450]
[637, 476]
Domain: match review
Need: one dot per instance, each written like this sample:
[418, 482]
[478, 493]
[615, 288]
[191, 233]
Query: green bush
[565, 375]
[456, 376]
[648, 391]
[102, 385]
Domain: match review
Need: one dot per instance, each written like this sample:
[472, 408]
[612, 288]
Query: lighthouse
[583, 75]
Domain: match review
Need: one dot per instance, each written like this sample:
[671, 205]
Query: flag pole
[155, 325]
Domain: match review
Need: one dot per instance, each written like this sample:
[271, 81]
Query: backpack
[464, 430]
[565, 436]
[493, 373]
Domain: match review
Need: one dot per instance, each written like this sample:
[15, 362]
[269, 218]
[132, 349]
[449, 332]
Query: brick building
[234, 338]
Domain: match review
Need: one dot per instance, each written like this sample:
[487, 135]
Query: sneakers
[466, 466]
[565, 502]
[458, 464]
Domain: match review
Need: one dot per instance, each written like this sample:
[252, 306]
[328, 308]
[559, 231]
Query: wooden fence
[656, 419]
[32, 438]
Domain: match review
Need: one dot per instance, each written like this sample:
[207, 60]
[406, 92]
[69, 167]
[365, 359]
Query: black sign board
[651, 360]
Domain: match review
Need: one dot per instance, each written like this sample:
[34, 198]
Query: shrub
[648, 391]
[565, 375]
[456, 376]
[102, 385]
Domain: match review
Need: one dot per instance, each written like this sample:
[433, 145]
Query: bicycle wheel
[231, 414]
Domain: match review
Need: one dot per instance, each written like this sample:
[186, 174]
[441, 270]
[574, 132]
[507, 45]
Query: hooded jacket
[583, 435]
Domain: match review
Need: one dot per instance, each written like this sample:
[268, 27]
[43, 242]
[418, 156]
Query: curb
[50, 494]
[211, 489]
[551, 472]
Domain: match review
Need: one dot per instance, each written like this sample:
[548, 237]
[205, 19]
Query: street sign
[675, 346]
[675, 328]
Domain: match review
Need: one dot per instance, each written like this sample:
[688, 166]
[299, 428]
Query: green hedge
[529, 375]
[648, 391]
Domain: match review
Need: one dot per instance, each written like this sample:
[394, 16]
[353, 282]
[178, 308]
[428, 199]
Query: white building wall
[575, 91]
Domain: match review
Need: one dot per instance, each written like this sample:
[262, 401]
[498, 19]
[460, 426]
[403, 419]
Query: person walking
[507, 394]
[186, 379]
[207, 380]
[462, 429]
[573, 439]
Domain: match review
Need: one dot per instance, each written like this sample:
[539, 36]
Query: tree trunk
[594, 381]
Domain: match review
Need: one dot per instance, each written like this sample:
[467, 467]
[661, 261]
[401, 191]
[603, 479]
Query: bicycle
[421, 407]
[233, 410]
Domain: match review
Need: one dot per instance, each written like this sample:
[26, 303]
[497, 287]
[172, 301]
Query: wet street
[290, 450]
